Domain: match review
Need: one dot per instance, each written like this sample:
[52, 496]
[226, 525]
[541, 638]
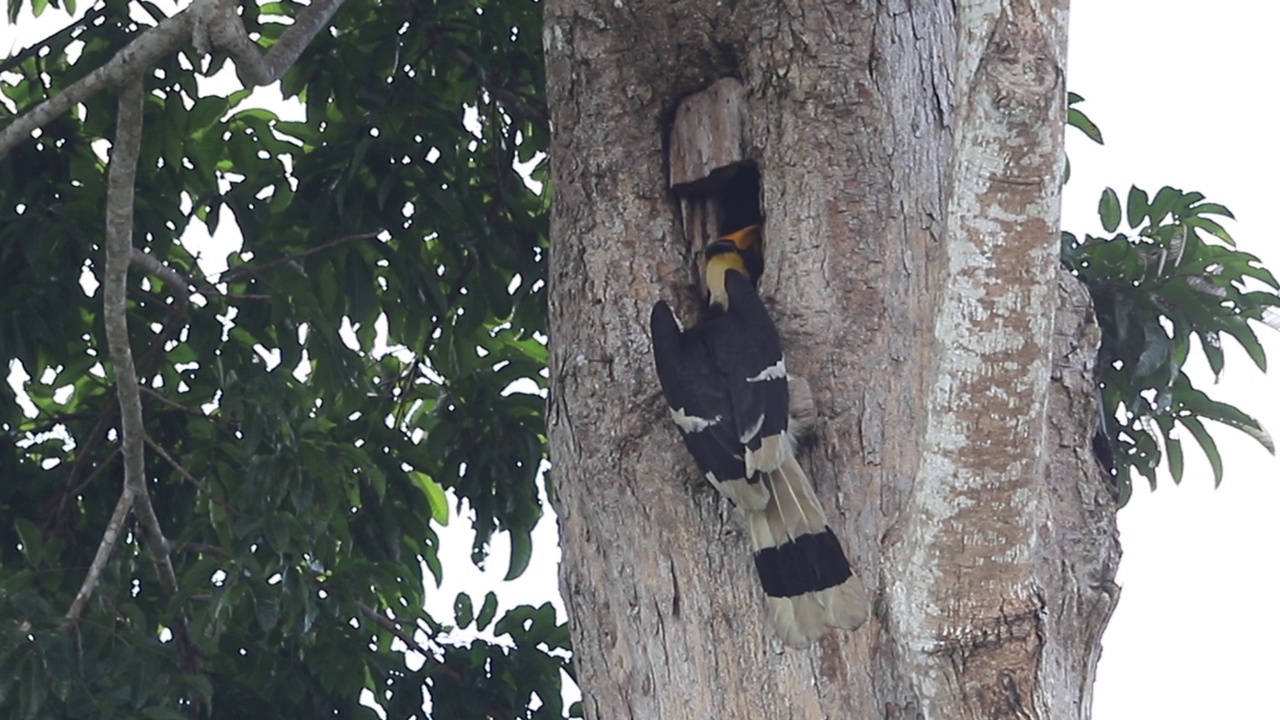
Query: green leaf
[1211, 345]
[1200, 404]
[521, 552]
[1137, 206]
[1109, 210]
[1173, 449]
[1156, 353]
[33, 688]
[1263, 275]
[164, 713]
[266, 606]
[435, 496]
[1240, 330]
[206, 112]
[487, 611]
[1185, 201]
[462, 610]
[32, 541]
[432, 560]
[1124, 489]
[1211, 227]
[1207, 444]
[1081, 122]
[1209, 209]
[1163, 204]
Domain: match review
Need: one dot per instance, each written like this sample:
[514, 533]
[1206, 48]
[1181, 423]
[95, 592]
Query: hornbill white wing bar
[725, 381]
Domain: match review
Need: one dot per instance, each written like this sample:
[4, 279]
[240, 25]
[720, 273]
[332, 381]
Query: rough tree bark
[910, 161]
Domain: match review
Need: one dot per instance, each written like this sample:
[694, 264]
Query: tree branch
[119, 244]
[394, 628]
[104, 553]
[206, 23]
[131, 62]
[186, 475]
[173, 278]
[67, 33]
[244, 270]
[119, 250]
[219, 25]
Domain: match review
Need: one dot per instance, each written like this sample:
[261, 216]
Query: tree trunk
[910, 162]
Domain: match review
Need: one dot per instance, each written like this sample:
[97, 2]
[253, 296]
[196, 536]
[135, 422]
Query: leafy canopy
[376, 340]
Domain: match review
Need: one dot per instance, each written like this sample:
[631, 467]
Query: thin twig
[510, 97]
[68, 32]
[394, 628]
[173, 279]
[104, 553]
[188, 476]
[175, 405]
[205, 549]
[147, 364]
[108, 462]
[402, 383]
[246, 270]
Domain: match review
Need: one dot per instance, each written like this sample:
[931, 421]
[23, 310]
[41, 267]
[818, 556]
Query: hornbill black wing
[698, 394]
[725, 382]
[749, 353]
[808, 582]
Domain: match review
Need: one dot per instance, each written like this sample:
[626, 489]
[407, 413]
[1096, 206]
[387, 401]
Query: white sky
[1183, 93]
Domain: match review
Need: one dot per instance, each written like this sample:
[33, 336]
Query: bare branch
[119, 245]
[211, 21]
[131, 62]
[104, 553]
[205, 549]
[79, 488]
[220, 26]
[65, 35]
[244, 270]
[186, 474]
[175, 405]
[394, 628]
[121, 176]
[180, 285]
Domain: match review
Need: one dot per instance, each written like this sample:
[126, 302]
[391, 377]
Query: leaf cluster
[1172, 275]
